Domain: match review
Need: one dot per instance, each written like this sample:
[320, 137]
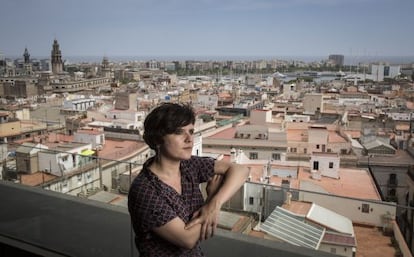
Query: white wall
[324, 160]
[352, 208]
[339, 250]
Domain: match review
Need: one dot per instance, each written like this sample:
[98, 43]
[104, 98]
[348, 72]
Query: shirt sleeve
[204, 166]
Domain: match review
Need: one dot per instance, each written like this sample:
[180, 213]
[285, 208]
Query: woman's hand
[207, 216]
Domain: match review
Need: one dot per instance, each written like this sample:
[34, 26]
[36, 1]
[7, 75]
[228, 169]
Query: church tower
[27, 66]
[57, 64]
[105, 69]
[26, 56]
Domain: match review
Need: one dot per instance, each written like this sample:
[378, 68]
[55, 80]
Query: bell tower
[57, 64]
[105, 69]
[26, 56]
[27, 66]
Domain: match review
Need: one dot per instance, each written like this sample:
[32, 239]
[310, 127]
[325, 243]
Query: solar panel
[292, 228]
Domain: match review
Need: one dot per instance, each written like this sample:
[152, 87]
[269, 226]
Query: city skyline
[368, 28]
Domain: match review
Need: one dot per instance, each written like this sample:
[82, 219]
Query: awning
[87, 152]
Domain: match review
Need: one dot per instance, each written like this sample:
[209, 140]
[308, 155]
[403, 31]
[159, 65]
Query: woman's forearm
[235, 177]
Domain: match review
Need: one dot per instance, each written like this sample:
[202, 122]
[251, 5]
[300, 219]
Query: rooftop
[355, 183]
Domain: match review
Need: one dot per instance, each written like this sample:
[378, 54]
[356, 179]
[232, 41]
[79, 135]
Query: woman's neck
[164, 167]
[168, 172]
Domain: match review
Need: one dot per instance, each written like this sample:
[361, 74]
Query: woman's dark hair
[166, 119]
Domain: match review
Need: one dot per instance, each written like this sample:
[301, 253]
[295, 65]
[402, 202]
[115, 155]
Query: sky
[208, 27]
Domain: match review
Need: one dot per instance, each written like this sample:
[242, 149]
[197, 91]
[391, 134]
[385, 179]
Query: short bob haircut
[165, 119]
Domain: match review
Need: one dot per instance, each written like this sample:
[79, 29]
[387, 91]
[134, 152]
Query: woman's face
[179, 145]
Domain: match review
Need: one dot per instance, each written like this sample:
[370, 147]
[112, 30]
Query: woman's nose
[188, 136]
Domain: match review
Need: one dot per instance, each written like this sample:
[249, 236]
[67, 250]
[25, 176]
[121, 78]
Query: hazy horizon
[348, 60]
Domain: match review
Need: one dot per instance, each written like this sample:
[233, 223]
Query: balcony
[37, 222]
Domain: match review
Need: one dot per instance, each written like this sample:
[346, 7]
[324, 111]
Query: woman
[168, 212]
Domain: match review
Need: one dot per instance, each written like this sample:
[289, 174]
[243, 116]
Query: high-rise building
[336, 59]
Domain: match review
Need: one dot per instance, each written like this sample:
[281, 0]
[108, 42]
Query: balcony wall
[37, 222]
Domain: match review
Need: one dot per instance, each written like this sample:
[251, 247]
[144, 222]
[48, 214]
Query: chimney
[288, 200]
[233, 155]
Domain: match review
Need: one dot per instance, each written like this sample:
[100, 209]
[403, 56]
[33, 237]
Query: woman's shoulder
[198, 163]
[142, 184]
[194, 160]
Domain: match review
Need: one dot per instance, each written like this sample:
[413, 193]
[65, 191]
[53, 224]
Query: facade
[81, 104]
[19, 87]
[27, 157]
[297, 118]
[125, 101]
[63, 85]
[313, 103]
[94, 137]
[325, 164]
[315, 139]
[290, 91]
[260, 116]
[381, 71]
[209, 101]
[126, 119]
[64, 158]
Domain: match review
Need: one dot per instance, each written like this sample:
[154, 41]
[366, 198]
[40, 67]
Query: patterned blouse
[152, 203]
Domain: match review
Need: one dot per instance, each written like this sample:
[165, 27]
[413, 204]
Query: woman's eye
[178, 132]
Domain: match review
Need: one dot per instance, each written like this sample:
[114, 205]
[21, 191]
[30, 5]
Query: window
[253, 156]
[64, 158]
[293, 150]
[305, 150]
[333, 250]
[316, 165]
[80, 178]
[317, 146]
[275, 156]
[386, 71]
[365, 208]
[331, 164]
[251, 200]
